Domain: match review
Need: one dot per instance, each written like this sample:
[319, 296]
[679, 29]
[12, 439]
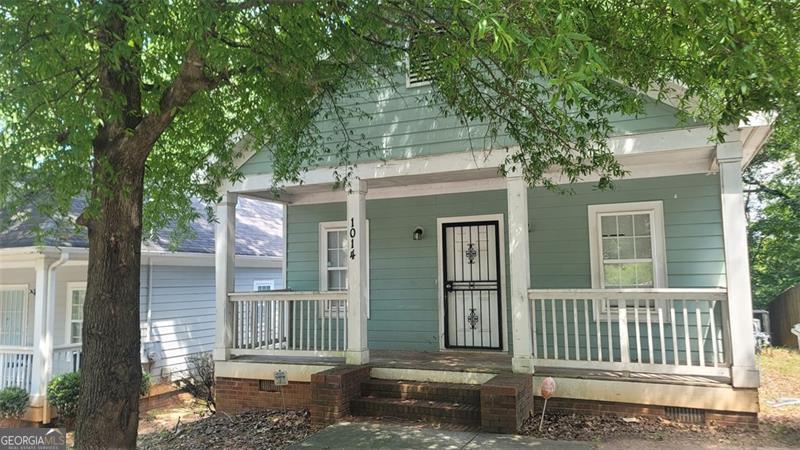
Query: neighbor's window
[13, 314]
[263, 285]
[76, 296]
[627, 243]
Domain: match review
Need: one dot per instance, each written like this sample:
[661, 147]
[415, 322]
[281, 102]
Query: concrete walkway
[371, 435]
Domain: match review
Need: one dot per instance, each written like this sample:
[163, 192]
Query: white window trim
[25, 288]
[324, 227]
[259, 283]
[71, 286]
[658, 246]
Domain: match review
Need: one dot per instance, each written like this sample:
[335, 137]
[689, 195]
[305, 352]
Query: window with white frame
[334, 250]
[13, 314]
[627, 246]
[76, 295]
[263, 285]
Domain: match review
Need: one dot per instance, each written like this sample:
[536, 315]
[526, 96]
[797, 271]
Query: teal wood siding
[403, 272]
[559, 238]
[403, 123]
[695, 258]
[404, 310]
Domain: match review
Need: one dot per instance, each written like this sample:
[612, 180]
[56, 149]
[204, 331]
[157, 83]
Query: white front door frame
[500, 218]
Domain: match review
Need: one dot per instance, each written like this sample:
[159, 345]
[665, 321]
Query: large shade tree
[772, 184]
[139, 105]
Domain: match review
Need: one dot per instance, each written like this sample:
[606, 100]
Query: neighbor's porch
[655, 333]
[41, 298]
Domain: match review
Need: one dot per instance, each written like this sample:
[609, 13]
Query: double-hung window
[76, 295]
[627, 246]
[334, 251]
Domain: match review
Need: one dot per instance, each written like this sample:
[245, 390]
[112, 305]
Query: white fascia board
[22, 257]
[207, 259]
[681, 162]
[694, 138]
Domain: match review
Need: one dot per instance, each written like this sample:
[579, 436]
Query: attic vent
[685, 415]
[420, 64]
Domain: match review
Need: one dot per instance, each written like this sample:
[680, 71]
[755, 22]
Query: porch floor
[485, 362]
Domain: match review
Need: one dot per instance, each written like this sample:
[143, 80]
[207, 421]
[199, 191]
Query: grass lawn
[780, 377]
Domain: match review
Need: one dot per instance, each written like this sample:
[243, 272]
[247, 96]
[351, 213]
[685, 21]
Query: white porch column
[225, 253]
[357, 347]
[41, 355]
[519, 271]
[744, 372]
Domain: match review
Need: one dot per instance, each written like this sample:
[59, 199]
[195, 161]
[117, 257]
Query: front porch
[638, 295]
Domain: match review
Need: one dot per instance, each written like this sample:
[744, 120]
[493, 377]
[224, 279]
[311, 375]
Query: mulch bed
[253, 429]
[609, 428]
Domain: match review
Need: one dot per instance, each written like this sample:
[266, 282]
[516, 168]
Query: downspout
[50, 311]
[149, 335]
[144, 357]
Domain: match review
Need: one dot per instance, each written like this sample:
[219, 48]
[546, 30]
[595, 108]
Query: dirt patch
[254, 429]
[616, 429]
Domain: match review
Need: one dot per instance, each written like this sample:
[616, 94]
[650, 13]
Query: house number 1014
[352, 238]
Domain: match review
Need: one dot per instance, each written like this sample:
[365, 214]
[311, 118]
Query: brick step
[466, 394]
[425, 410]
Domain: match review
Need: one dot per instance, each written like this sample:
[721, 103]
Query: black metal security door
[472, 310]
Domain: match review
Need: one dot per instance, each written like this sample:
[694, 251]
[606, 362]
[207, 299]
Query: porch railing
[289, 323]
[16, 367]
[67, 358]
[678, 331]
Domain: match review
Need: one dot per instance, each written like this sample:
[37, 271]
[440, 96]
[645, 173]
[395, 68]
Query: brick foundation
[592, 407]
[506, 401]
[162, 396]
[235, 395]
[333, 390]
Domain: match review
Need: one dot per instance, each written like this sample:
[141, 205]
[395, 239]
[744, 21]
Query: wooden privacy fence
[675, 331]
[784, 313]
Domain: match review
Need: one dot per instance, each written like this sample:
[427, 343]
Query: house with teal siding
[431, 277]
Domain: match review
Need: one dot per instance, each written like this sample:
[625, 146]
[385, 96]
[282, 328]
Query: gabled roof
[259, 231]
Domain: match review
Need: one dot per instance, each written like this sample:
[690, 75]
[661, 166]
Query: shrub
[199, 379]
[63, 393]
[13, 402]
[144, 386]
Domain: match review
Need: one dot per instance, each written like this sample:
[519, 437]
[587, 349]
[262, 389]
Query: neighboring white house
[42, 289]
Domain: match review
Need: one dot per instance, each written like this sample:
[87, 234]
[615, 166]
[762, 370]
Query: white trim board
[682, 162]
[501, 230]
[26, 257]
[694, 139]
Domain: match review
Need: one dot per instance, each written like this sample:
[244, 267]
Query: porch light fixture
[418, 232]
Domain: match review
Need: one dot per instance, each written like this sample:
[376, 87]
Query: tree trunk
[108, 410]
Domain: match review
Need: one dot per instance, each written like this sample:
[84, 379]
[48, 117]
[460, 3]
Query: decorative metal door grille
[472, 309]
